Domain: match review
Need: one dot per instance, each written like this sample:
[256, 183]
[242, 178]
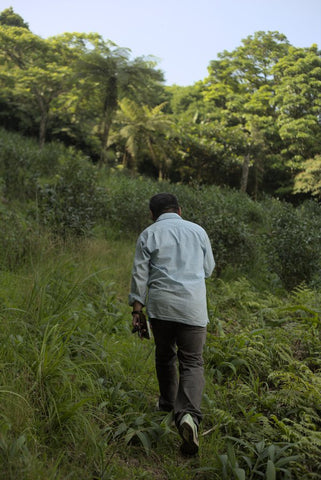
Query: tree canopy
[253, 123]
[12, 19]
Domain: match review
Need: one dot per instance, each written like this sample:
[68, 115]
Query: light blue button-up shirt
[172, 259]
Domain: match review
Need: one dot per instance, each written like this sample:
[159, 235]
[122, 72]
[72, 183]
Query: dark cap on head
[163, 202]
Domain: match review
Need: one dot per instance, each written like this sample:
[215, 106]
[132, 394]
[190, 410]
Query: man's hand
[140, 322]
[135, 320]
[137, 308]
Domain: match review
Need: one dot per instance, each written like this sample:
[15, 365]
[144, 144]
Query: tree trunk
[154, 158]
[109, 108]
[42, 130]
[43, 121]
[245, 173]
[104, 140]
[258, 171]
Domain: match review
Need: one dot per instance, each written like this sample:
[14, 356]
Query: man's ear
[179, 211]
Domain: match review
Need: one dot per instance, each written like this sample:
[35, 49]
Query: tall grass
[78, 390]
[74, 382]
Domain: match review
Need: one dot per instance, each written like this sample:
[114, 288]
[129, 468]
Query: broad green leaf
[270, 471]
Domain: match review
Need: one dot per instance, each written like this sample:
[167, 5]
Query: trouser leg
[165, 359]
[190, 343]
[184, 396]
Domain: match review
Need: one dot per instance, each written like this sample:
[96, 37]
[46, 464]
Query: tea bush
[293, 243]
[127, 207]
[72, 201]
[269, 239]
[22, 163]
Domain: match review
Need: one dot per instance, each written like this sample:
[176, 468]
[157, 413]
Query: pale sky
[184, 35]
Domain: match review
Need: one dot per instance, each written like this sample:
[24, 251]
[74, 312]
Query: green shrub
[22, 162]
[221, 214]
[217, 211]
[73, 201]
[294, 244]
[255, 238]
[127, 207]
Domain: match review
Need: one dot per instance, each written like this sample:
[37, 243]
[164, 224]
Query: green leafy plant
[260, 461]
[14, 451]
[72, 202]
[294, 246]
[142, 430]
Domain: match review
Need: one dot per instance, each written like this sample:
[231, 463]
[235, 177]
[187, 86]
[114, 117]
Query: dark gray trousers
[181, 393]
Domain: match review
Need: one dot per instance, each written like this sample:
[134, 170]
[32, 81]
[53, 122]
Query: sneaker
[188, 431]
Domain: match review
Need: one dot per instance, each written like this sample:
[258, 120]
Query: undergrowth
[78, 390]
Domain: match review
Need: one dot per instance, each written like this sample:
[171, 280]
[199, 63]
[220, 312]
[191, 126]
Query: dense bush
[268, 237]
[72, 201]
[22, 163]
[225, 216]
[294, 243]
[127, 203]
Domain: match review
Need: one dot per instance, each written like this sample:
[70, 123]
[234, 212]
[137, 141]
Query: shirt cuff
[132, 298]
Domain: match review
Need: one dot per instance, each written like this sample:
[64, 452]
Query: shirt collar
[166, 216]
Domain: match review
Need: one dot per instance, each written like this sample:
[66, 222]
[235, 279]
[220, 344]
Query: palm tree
[145, 130]
[113, 75]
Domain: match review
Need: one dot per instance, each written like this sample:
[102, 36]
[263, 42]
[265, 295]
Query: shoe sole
[190, 443]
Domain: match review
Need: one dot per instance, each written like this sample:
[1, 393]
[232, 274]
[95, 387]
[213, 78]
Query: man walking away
[172, 259]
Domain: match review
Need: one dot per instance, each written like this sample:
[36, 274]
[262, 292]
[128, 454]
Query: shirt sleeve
[140, 274]
[209, 262]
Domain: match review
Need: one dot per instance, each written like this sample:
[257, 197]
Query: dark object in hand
[143, 327]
